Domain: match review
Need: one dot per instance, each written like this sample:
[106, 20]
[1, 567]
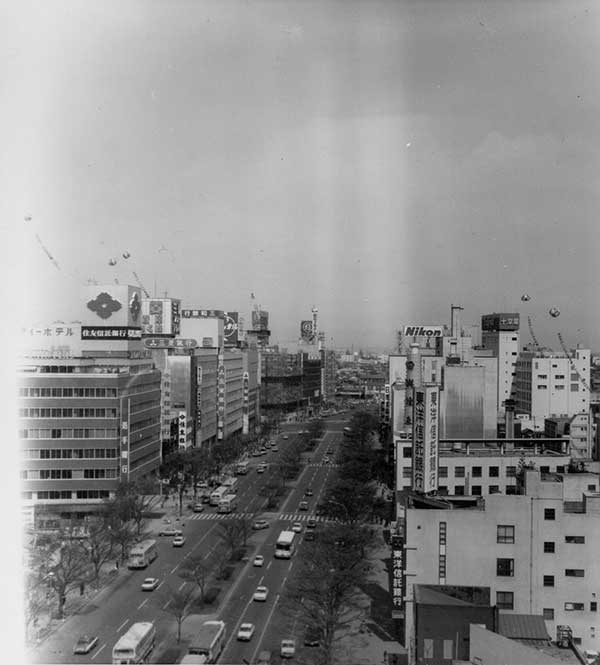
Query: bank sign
[423, 331]
[425, 439]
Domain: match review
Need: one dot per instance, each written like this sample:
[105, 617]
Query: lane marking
[268, 565]
[267, 623]
[99, 650]
[158, 587]
[121, 626]
[181, 586]
[142, 604]
[237, 625]
[166, 604]
[174, 569]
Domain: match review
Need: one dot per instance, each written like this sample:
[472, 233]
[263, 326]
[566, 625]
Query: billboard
[208, 331]
[202, 313]
[54, 341]
[230, 328]
[423, 331]
[160, 316]
[398, 574]
[498, 322]
[425, 438]
[112, 305]
[169, 343]
[260, 319]
[116, 332]
[306, 331]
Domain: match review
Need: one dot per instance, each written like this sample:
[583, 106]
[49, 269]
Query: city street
[123, 603]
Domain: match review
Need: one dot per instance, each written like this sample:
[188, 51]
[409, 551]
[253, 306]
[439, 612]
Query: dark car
[309, 535]
[311, 524]
[260, 524]
[308, 492]
[312, 638]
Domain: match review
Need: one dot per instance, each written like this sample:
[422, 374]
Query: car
[311, 637]
[285, 437]
[198, 508]
[303, 505]
[308, 492]
[150, 583]
[170, 531]
[311, 524]
[259, 559]
[263, 451]
[260, 468]
[256, 453]
[261, 593]
[178, 541]
[202, 485]
[329, 451]
[326, 460]
[297, 527]
[85, 644]
[206, 498]
[309, 535]
[264, 658]
[260, 524]
[274, 449]
[288, 648]
[246, 631]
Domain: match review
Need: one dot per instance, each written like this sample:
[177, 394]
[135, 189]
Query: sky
[380, 161]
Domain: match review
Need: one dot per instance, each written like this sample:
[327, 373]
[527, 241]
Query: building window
[544, 469]
[574, 607]
[448, 647]
[548, 580]
[427, 648]
[549, 547]
[549, 514]
[442, 566]
[542, 387]
[574, 387]
[406, 452]
[559, 376]
[443, 490]
[591, 488]
[505, 533]
[459, 490]
[494, 471]
[494, 489]
[580, 540]
[476, 490]
[505, 567]
[542, 376]
[443, 527]
[511, 471]
[548, 613]
[559, 387]
[443, 472]
[511, 489]
[577, 641]
[593, 606]
[505, 600]
[476, 471]
[459, 472]
[574, 572]
[407, 472]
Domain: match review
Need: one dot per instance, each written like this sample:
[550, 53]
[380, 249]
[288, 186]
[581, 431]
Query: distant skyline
[378, 160]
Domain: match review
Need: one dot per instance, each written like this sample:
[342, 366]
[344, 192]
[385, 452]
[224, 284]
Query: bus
[284, 547]
[242, 467]
[135, 645]
[218, 494]
[227, 504]
[231, 483]
[142, 554]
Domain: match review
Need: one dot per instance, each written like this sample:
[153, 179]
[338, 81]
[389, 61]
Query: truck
[135, 645]
[227, 504]
[208, 642]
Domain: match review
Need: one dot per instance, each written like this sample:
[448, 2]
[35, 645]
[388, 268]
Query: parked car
[285, 437]
[274, 449]
[311, 637]
[246, 631]
[260, 524]
[288, 648]
[260, 594]
[150, 583]
[85, 644]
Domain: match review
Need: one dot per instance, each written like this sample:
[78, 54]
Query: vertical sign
[124, 439]
[220, 396]
[425, 439]
[182, 429]
[198, 399]
[230, 328]
[398, 577]
[246, 402]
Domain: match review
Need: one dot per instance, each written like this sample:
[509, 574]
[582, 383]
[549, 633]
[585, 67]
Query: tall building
[89, 406]
[552, 384]
[500, 333]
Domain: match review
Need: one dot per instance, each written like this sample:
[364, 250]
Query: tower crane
[139, 281]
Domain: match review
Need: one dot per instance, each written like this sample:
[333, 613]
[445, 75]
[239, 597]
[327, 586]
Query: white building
[500, 333]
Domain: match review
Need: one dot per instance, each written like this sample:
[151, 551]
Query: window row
[71, 453]
[68, 474]
[35, 391]
[505, 533]
[67, 494]
[506, 568]
[68, 413]
[148, 422]
[69, 433]
[477, 471]
[476, 490]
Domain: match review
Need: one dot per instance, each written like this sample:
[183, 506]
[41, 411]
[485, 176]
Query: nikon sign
[423, 331]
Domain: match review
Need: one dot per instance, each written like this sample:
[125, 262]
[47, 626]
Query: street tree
[122, 536]
[35, 601]
[179, 605]
[348, 501]
[230, 534]
[197, 569]
[98, 544]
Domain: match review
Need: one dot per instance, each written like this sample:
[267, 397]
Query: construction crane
[139, 281]
[573, 366]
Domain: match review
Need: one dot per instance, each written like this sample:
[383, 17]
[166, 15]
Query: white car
[261, 593]
[285, 437]
[259, 559]
[288, 648]
[246, 631]
[85, 644]
[150, 583]
[297, 527]
[178, 541]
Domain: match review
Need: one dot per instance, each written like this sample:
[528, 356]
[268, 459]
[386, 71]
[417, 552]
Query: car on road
[309, 535]
[260, 468]
[308, 492]
[311, 637]
[297, 527]
[260, 524]
[311, 524]
[202, 485]
[264, 658]
[326, 460]
[261, 593]
[259, 559]
[288, 648]
[274, 449]
[198, 508]
[85, 644]
[303, 505]
[246, 631]
[178, 541]
[170, 531]
[285, 437]
[256, 453]
[263, 451]
[150, 583]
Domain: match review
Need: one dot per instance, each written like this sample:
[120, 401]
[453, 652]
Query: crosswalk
[292, 517]
[320, 464]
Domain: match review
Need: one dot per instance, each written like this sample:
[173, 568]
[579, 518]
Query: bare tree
[35, 600]
[197, 569]
[122, 535]
[245, 529]
[179, 605]
[231, 536]
[99, 545]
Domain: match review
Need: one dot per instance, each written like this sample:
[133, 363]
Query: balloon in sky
[126, 255]
[554, 312]
[112, 262]
[27, 218]
[525, 297]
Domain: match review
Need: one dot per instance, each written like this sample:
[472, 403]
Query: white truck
[135, 645]
[208, 642]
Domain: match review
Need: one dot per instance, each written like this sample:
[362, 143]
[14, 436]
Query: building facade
[500, 333]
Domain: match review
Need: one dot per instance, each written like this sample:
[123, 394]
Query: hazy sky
[378, 160]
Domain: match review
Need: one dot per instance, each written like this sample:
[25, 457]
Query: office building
[500, 333]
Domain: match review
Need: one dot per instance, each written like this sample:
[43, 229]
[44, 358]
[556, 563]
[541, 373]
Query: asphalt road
[123, 603]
